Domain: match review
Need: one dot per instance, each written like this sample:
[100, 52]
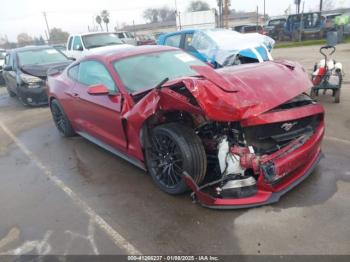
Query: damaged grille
[269, 138]
[298, 101]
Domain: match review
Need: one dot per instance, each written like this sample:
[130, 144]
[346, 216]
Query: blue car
[221, 47]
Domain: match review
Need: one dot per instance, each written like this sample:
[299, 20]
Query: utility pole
[177, 15]
[47, 27]
[226, 3]
[220, 18]
[257, 17]
[264, 13]
[321, 5]
[301, 23]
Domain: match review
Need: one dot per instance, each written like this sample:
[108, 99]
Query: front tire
[61, 120]
[172, 149]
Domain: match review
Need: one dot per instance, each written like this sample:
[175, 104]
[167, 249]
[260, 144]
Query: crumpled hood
[41, 70]
[245, 91]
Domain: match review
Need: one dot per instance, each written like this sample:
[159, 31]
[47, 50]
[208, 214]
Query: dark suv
[25, 72]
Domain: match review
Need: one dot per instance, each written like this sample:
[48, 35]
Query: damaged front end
[254, 164]
[261, 137]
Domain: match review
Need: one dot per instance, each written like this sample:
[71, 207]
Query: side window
[188, 42]
[201, 42]
[93, 73]
[173, 40]
[70, 43]
[12, 60]
[77, 45]
[73, 72]
[7, 59]
[121, 35]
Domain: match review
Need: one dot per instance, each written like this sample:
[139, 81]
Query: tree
[105, 18]
[151, 15]
[39, 40]
[99, 21]
[328, 5]
[198, 5]
[24, 39]
[57, 36]
[154, 15]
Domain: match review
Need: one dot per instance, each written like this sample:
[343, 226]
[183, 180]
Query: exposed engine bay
[234, 151]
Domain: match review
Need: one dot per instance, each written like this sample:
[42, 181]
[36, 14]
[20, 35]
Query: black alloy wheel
[174, 148]
[61, 121]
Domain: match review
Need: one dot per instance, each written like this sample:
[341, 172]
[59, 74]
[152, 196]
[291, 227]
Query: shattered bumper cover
[292, 166]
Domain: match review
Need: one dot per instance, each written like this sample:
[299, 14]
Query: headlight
[31, 81]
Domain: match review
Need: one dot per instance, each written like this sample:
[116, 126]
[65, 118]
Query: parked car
[145, 40]
[249, 29]
[249, 128]
[221, 47]
[274, 28]
[25, 72]
[126, 37]
[303, 26]
[83, 44]
[2, 61]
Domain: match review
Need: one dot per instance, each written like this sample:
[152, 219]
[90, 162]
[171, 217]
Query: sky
[74, 16]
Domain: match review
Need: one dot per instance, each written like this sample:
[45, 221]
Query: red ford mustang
[237, 137]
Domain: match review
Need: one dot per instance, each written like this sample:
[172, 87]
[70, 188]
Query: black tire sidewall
[68, 130]
[186, 150]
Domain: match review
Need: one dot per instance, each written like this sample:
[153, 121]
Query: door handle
[75, 95]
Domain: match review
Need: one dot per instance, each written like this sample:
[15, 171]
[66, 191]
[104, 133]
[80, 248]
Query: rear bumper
[291, 166]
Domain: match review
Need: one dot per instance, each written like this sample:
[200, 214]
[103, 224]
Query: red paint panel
[284, 115]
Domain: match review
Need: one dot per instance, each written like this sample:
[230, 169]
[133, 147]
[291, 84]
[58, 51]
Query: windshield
[277, 22]
[97, 40]
[146, 71]
[41, 57]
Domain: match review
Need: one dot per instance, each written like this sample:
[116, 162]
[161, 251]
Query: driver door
[10, 76]
[99, 116]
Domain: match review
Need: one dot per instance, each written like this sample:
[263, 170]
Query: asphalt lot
[68, 196]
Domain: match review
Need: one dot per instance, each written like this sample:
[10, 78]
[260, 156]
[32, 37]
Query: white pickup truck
[79, 45]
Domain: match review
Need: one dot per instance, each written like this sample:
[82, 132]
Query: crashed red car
[237, 137]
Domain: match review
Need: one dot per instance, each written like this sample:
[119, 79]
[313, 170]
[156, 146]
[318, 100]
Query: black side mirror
[72, 58]
[7, 68]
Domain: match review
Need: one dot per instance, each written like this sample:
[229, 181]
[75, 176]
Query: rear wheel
[61, 120]
[172, 149]
[337, 91]
[337, 96]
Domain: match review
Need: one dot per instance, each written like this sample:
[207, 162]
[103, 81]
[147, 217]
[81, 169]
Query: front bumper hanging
[291, 165]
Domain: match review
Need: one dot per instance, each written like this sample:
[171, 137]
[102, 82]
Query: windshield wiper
[159, 86]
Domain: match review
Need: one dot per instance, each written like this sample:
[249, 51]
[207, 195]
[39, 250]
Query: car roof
[31, 47]
[92, 33]
[184, 31]
[127, 51]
